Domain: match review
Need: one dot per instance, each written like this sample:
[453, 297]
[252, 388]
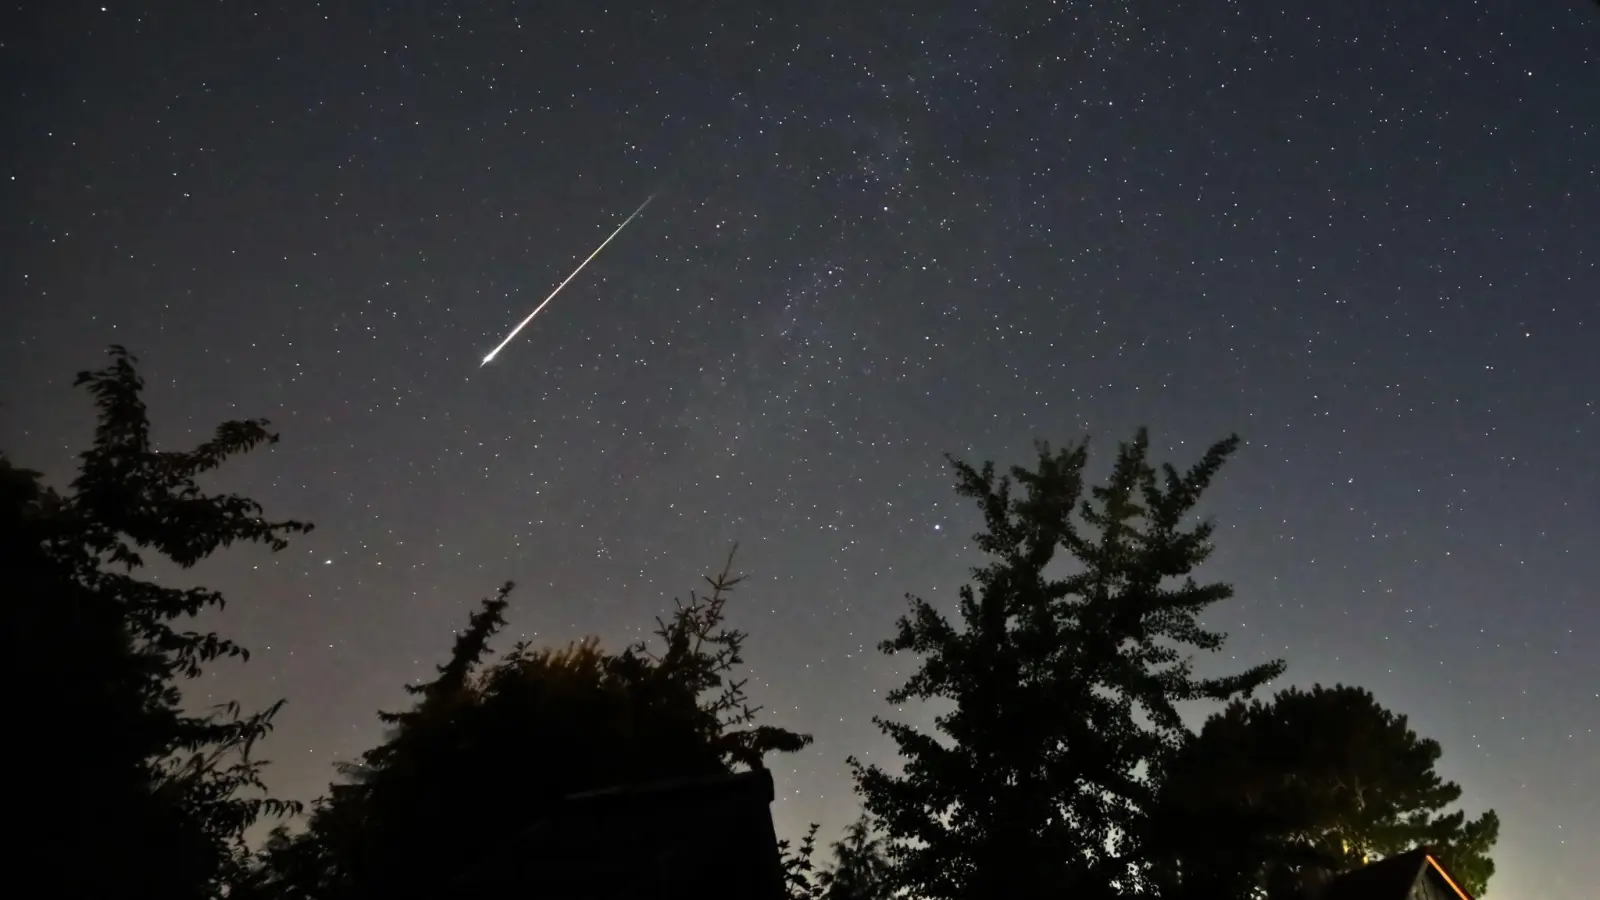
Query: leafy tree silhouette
[1318, 781]
[487, 750]
[1063, 681]
[859, 870]
[801, 877]
[135, 796]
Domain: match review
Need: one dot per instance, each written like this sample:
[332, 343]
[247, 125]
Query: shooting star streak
[524, 323]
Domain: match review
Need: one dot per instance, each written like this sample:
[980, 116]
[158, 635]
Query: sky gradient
[1364, 236]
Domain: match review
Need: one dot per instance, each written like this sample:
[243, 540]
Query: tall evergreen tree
[1063, 681]
[860, 869]
[1314, 782]
[489, 748]
[137, 795]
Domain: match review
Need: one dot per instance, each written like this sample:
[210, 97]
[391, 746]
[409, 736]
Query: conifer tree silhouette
[1316, 781]
[1061, 676]
[490, 746]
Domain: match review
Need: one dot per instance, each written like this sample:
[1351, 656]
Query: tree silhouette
[1063, 681]
[487, 751]
[801, 877]
[145, 799]
[1318, 781]
[859, 870]
[1060, 766]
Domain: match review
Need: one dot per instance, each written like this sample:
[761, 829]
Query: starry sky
[1365, 236]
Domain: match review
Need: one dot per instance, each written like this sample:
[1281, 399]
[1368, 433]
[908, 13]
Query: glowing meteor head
[486, 360]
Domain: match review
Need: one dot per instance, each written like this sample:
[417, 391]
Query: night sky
[1365, 236]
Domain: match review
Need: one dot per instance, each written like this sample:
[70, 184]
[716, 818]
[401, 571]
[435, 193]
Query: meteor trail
[524, 323]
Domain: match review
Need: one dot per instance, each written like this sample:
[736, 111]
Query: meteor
[524, 323]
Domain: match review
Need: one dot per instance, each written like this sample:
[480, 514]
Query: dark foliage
[1060, 769]
[1315, 782]
[127, 793]
[1063, 679]
[488, 750]
[801, 877]
[859, 869]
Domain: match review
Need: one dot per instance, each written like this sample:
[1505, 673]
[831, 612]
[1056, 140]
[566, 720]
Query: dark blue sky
[1361, 235]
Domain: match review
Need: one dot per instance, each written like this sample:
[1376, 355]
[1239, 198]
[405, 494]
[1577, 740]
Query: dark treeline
[1062, 768]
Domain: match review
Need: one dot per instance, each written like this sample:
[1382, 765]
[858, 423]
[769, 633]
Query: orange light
[1447, 879]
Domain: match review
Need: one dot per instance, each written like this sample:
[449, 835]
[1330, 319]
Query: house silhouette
[705, 838]
[1415, 875]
